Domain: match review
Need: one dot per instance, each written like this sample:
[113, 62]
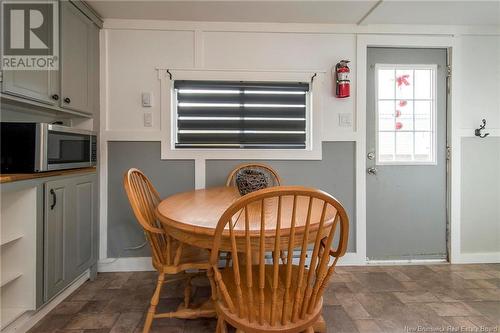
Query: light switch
[345, 120]
[147, 99]
[148, 119]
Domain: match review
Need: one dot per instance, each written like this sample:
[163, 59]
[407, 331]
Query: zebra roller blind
[224, 114]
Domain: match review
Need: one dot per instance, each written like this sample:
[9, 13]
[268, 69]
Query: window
[406, 116]
[243, 115]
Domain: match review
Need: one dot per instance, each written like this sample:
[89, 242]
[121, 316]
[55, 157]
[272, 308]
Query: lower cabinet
[70, 231]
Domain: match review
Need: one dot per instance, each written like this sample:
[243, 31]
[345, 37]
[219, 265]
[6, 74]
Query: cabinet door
[76, 68]
[84, 224]
[57, 198]
[41, 86]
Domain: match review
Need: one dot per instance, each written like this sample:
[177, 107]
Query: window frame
[433, 100]
[169, 115]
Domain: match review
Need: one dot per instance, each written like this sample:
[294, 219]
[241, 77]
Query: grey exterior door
[406, 160]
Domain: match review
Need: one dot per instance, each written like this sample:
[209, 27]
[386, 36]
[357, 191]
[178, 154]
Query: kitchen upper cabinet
[40, 86]
[70, 235]
[74, 87]
[78, 75]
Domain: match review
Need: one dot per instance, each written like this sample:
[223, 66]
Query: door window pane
[404, 84]
[386, 146]
[423, 146]
[386, 115]
[423, 115]
[404, 146]
[406, 114]
[386, 84]
[423, 83]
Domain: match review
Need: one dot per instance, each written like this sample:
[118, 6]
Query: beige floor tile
[473, 275]
[452, 309]
[415, 297]
[92, 321]
[127, 322]
[367, 326]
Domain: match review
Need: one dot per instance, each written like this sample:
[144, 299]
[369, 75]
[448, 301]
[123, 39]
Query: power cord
[131, 248]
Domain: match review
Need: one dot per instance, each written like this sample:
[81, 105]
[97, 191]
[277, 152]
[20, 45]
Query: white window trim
[168, 115]
[434, 114]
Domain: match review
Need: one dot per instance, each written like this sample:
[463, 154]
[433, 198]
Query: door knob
[67, 100]
[371, 171]
[370, 155]
[55, 97]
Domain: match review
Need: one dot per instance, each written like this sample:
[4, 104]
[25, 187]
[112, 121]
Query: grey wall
[335, 174]
[169, 177]
[480, 227]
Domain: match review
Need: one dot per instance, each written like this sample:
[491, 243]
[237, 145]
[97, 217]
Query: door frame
[452, 45]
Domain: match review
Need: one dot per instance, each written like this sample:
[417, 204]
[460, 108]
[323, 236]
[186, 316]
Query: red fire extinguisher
[343, 84]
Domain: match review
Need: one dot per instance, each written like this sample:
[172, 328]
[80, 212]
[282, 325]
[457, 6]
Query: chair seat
[227, 275]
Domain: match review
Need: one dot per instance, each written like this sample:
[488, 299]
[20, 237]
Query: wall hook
[477, 132]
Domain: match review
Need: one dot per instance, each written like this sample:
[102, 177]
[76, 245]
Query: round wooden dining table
[191, 217]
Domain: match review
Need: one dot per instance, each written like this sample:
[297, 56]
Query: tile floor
[432, 298]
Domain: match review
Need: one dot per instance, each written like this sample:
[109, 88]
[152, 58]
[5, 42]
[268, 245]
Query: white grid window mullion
[413, 131]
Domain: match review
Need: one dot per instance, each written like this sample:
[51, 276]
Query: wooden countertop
[14, 177]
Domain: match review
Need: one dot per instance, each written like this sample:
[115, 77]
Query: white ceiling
[387, 12]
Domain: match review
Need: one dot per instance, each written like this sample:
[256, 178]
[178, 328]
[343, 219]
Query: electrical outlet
[148, 120]
[345, 120]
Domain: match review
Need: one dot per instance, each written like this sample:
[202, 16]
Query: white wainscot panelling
[289, 51]
[133, 56]
[480, 65]
[480, 196]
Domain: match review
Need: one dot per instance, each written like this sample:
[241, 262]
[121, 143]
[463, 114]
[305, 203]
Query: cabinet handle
[55, 97]
[67, 100]
[54, 198]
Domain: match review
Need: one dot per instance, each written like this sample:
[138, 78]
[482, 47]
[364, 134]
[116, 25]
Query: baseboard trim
[29, 319]
[141, 264]
[352, 259]
[478, 258]
[130, 264]
[405, 262]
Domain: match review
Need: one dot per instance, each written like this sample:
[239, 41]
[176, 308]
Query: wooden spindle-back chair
[257, 297]
[273, 176]
[169, 256]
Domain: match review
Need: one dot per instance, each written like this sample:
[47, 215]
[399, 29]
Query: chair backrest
[144, 199]
[266, 169]
[298, 216]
